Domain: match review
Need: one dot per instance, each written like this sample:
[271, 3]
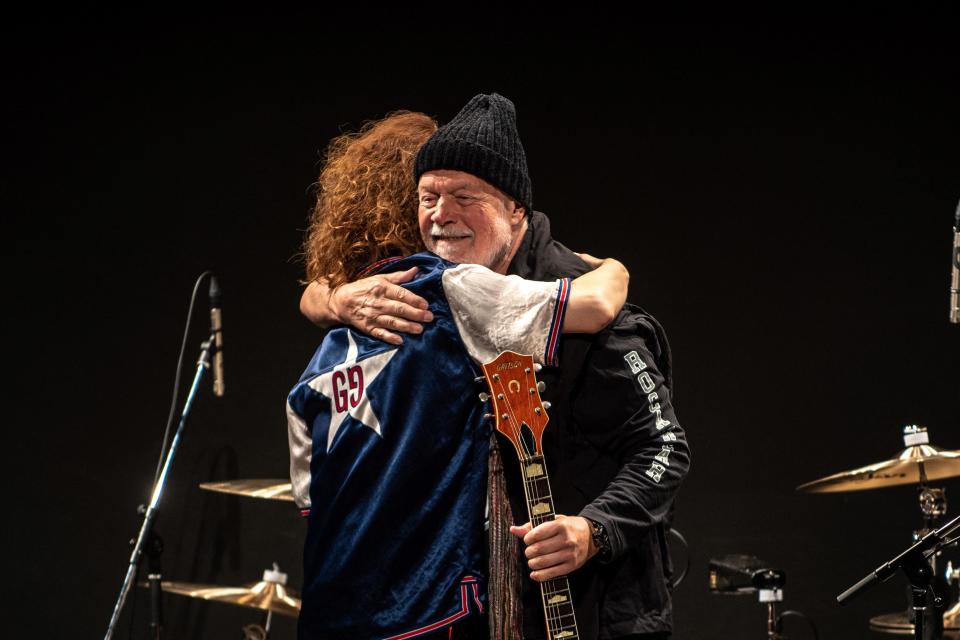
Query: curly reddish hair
[366, 200]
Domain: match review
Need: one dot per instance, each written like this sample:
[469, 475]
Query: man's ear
[519, 211]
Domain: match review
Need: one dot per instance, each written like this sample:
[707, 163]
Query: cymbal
[904, 469]
[257, 488]
[266, 595]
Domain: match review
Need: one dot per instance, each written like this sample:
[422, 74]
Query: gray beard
[499, 256]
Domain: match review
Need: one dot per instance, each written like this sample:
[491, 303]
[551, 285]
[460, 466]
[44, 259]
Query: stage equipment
[270, 595]
[746, 574]
[914, 563]
[917, 464]
[740, 574]
[147, 539]
[265, 488]
[216, 330]
[955, 271]
[901, 624]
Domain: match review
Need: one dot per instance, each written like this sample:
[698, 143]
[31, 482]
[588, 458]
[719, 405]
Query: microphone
[216, 329]
[955, 272]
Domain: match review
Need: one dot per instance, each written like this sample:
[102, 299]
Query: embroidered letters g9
[347, 387]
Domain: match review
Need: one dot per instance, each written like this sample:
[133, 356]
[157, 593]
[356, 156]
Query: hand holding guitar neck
[558, 547]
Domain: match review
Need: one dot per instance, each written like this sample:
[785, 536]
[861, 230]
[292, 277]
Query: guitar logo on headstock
[519, 412]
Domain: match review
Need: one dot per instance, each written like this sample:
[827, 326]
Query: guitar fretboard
[557, 603]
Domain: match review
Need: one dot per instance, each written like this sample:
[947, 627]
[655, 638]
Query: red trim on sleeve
[556, 325]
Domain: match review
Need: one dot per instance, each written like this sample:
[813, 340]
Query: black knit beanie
[481, 140]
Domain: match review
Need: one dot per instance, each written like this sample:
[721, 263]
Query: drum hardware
[264, 488]
[918, 463]
[269, 594]
[739, 574]
[900, 624]
[253, 632]
[951, 617]
[914, 563]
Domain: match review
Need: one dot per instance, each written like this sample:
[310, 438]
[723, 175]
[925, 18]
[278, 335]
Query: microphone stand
[955, 273]
[914, 564]
[146, 535]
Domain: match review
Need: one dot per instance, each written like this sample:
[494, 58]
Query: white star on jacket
[363, 412]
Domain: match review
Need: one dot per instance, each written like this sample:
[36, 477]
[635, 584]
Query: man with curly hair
[615, 450]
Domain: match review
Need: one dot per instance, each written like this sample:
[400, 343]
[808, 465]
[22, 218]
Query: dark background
[782, 195]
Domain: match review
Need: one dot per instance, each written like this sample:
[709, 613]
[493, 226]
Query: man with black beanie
[615, 452]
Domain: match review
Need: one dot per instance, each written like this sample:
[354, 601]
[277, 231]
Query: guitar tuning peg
[541, 385]
[488, 416]
[484, 397]
[537, 367]
[547, 405]
[480, 379]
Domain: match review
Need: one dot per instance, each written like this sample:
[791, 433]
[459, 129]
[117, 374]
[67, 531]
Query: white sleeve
[301, 450]
[496, 313]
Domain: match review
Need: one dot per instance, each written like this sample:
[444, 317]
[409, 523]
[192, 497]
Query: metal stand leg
[920, 574]
[771, 597]
[772, 621]
[154, 549]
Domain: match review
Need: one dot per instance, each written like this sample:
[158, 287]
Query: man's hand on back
[380, 307]
[377, 306]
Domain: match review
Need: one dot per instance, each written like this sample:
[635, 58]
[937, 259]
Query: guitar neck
[521, 417]
[557, 603]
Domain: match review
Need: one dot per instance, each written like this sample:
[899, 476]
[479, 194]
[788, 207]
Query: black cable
[176, 379]
[686, 569]
[813, 627]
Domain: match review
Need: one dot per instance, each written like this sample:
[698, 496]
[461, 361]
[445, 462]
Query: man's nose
[446, 210]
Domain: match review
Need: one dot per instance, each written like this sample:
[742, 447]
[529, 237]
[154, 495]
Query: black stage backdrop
[783, 197]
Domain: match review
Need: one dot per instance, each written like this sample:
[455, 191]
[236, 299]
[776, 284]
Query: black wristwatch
[601, 540]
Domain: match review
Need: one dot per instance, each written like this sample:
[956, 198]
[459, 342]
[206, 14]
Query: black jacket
[615, 454]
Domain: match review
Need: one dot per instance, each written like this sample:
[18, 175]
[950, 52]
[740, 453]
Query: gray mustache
[444, 232]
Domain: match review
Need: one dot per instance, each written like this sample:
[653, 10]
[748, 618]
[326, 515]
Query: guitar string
[550, 586]
[551, 610]
[554, 586]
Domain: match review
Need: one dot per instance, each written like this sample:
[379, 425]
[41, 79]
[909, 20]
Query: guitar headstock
[515, 393]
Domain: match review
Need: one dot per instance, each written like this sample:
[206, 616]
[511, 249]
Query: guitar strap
[505, 582]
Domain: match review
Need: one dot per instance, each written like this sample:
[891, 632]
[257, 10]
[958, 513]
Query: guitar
[521, 416]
